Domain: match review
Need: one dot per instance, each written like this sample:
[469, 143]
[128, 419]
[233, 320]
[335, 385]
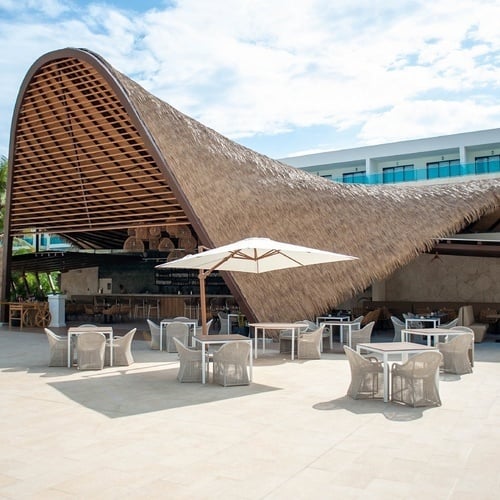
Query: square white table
[77, 330]
[350, 325]
[295, 327]
[193, 323]
[386, 349]
[432, 335]
[206, 340]
[320, 319]
[436, 321]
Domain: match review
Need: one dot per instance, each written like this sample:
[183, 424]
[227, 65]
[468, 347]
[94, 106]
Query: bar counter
[144, 305]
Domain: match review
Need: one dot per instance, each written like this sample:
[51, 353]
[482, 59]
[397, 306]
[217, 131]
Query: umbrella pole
[203, 302]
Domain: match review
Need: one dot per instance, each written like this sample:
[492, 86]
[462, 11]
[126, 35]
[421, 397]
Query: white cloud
[411, 68]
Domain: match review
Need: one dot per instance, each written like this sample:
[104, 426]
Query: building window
[354, 177]
[327, 176]
[486, 164]
[445, 168]
[401, 173]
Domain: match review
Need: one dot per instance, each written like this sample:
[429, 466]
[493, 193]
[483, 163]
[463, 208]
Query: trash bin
[57, 305]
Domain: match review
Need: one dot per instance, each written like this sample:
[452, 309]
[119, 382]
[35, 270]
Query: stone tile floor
[135, 432]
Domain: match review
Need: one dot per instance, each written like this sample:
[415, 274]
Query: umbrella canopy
[251, 255]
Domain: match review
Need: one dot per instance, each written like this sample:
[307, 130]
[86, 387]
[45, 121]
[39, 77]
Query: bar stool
[153, 306]
[140, 309]
[192, 308]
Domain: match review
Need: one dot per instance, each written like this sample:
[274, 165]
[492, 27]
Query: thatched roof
[123, 158]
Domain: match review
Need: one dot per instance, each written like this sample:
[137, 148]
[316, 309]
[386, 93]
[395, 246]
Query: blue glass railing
[424, 174]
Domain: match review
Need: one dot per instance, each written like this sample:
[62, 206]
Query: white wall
[449, 278]
[80, 281]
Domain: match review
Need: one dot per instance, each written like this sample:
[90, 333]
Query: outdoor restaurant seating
[231, 362]
[398, 326]
[154, 330]
[90, 348]
[456, 354]
[466, 318]
[362, 335]
[450, 324]
[223, 329]
[179, 330]
[471, 346]
[367, 376]
[415, 383]
[309, 344]
[58, 348]
[190, 368]
[122, 349]
[285, 338]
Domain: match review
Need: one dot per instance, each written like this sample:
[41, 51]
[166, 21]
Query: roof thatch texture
[234, 193]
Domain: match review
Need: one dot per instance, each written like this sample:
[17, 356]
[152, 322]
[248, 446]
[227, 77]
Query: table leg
[161, 336]
[111, 349]
[203, 367]
[386, 377]
[251, 362]
[69, 350]
[256, 339]
[293, 343]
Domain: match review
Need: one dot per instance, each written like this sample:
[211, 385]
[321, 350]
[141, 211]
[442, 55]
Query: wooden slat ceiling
[81, 165]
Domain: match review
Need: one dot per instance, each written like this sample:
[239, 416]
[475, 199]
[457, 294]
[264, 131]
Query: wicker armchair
[154, 329]
[309, 344]
[415, 383]
[398, 326]
[367, 376]
[177, 330]
[456, 354]
[285, 338]
[90, 348]
[223, 330]
[122, 350]
[231, 364]
[199, 331]
[190, 368]
[58, 349]
[362, 335]
[467, 330]
[450, 324]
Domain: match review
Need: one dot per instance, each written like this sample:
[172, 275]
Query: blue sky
[283, 78]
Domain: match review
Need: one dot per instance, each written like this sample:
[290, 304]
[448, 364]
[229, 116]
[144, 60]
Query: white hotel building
[437, 159]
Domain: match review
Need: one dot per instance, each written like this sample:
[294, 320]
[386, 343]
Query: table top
[396, 346]
[339, 322]
[278, 325]
[433, 331]
[221, 338]
[81, 329]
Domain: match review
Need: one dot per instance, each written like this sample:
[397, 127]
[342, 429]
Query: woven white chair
[223, 330]
[154, 329]
[450, 324]
[58, 349]
[456, 354]
[199, 331]
[122, 349]
[90, 348]
[414, 383]
[362, 335]
[177, 330]
[467, 330]
[231, 364]
[190, 368]
[309, 344]
[398, 326]
[285, 338]
[367, 376]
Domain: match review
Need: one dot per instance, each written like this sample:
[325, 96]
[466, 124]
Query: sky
[282, 78]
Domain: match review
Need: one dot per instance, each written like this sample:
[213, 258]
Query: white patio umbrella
[251, 255]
